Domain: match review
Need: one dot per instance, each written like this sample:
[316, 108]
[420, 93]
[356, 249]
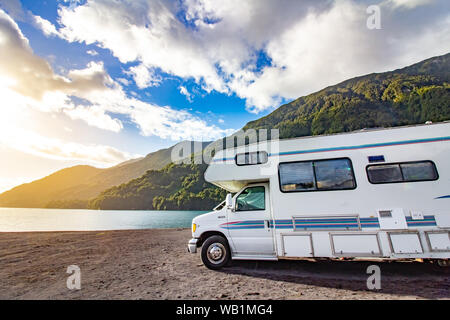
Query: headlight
[194, 227]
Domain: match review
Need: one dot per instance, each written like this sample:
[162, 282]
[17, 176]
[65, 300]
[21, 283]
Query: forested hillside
[72, 187]
[411, 95]
[177, 186]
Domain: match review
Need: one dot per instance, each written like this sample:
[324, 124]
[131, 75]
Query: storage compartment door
[297, 245]
[439, 240]
[405, 242]
[362, 245]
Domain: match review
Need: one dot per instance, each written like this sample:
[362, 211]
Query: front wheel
[215, 252]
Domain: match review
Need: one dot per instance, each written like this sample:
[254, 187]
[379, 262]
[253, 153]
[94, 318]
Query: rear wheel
[215, 252]
[443, 262]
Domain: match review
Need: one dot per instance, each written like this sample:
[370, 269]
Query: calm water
[18, 220]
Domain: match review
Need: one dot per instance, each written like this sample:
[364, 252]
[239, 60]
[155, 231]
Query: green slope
[72, 187]
[411, 95]
[177, 186]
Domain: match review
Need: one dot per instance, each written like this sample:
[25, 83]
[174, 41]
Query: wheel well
[208, 234]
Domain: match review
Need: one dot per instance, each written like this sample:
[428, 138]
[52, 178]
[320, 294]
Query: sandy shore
[154, 264]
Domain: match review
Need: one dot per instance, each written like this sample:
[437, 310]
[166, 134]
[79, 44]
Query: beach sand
[155, 264]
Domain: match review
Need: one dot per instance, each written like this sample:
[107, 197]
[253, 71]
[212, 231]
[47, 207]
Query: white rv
[371, 193]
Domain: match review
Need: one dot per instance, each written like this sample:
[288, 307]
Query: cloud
[144, 77]
[92, 53]
[217, 44]
[32, 143]
[409, 4]
[46, 26]
[14, 8]
[96, 117]
[18, 132]
[88, 94]
[186, 93]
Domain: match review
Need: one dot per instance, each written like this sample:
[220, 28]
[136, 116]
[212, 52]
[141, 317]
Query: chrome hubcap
[216, 253]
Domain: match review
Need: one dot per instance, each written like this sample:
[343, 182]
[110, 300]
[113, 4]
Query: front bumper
[192, 245]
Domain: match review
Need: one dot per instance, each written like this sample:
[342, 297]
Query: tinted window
[419, 171]
[384, 173]
[402, 172]
[336, 174]
[250, 158]
[297, 176]
[252, 198]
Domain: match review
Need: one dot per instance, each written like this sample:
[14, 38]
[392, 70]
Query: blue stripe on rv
[325, 223]
[362, 146]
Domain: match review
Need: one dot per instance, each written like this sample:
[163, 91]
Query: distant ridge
[72, 187]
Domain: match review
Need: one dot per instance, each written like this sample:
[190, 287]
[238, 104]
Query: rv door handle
[267, 222]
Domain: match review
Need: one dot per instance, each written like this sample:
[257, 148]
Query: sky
[99, 82]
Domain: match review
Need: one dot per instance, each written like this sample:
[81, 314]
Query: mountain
[177, 186]
[72, 187]
[415, 94]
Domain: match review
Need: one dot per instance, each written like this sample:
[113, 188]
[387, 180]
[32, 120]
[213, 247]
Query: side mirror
[229, 201]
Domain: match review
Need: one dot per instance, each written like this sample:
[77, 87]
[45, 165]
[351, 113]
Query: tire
[215, 252]
[444, 263]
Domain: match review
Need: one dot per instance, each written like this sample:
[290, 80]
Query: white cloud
[185, 93]
[409, 4]
[32, 143]
[123, 81]
[96, 117]
[144, 77]
[17, 132]
[14, 8]
[88, 94]
[46, 26]
[311, 44]
[92, 53]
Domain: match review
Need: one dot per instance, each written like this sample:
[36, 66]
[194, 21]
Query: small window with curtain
[402, 172]
[251, 199]
[251, 158]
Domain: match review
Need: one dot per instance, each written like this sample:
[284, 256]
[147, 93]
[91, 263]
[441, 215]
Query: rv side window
[251, 158]
[334, 174]
[252, 198]
[320, 175]
[419, 171]
[402, 172]
[297, 176]
[385, 173]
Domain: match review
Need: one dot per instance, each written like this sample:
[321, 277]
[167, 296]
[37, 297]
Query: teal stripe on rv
[324, 223]
[362, 146]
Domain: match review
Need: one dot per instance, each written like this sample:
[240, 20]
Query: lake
[22, 220]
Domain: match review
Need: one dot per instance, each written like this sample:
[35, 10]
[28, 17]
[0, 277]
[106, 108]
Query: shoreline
[155, 264]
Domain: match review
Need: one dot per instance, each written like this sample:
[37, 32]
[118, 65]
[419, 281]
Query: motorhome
[380, 193]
